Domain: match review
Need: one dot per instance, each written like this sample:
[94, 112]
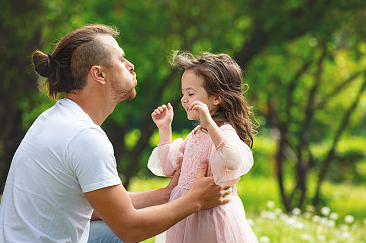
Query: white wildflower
[321, 238]
[299, 225]
[270, 204]
[307, 215]
[296, 211]
[278, 211]
[331, 223]
[268, 215]
[315, 218]
[325, 211]
[264, 239]
[264, 213]
[283, 217]
[344, 227]
[345, 235]
[307, 238]
[334, 216]
[323, 221]
[349, 219]
[290, 220]
[310, 208]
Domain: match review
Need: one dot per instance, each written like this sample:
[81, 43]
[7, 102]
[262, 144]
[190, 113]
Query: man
[64, 169]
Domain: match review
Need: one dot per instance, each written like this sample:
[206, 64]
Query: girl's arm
[207, 122]
[162, 160]
[232, 158]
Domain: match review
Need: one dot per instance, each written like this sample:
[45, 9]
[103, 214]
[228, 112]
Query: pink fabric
[226, 223]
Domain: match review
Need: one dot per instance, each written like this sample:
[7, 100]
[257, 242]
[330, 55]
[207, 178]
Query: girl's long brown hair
[223, 78]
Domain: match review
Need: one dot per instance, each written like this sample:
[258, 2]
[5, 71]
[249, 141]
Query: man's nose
[130, 67]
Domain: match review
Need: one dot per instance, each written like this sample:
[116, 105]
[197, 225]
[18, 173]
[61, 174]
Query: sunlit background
[304, 62]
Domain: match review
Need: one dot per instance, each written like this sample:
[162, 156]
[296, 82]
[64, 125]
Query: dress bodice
[197, 150]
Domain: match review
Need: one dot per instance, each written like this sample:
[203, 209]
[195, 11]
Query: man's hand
[174, 181]
[206, 192]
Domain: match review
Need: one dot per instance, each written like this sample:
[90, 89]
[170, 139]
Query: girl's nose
[183, 100]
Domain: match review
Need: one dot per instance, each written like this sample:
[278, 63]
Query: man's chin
[131, 95]
[127, 96]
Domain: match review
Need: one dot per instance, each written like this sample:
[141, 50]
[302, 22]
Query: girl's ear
[98, 74]
[216, 100]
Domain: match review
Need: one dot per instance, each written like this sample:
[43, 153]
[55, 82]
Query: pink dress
[232, 158]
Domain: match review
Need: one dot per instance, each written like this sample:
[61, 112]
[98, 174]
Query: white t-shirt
[62, 156]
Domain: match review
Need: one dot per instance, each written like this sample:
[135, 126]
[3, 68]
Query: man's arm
[116, 208]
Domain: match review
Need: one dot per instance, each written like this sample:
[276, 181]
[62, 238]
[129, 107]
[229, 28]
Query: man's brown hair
[66, 69]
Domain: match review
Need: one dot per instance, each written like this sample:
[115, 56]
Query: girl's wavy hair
[223, 78]
[66, 69]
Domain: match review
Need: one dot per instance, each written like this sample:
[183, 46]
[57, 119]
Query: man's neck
[97, 110]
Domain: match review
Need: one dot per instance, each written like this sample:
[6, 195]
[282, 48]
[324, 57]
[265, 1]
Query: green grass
[343, 219]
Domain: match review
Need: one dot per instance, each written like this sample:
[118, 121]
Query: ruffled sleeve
[165, 158]
[231, 159]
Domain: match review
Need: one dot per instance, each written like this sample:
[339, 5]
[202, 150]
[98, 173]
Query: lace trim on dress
[165, 143]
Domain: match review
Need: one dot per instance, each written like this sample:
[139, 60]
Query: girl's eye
[190, 94]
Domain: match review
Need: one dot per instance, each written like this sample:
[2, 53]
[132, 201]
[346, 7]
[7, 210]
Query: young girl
[213, 94]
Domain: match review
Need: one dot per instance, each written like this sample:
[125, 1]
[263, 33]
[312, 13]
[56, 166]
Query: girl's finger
[169, 106]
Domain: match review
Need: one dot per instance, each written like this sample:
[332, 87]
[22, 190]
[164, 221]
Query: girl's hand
[204, 113]
[163, 115]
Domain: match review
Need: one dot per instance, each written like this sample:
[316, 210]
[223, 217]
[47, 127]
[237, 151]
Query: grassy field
[343, 219]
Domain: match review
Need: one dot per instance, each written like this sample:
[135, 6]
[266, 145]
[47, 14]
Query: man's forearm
[151, 221]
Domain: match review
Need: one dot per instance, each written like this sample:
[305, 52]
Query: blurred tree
[321, 61]
[18, 86]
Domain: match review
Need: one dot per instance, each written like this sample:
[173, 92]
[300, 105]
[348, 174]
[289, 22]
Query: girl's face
[192, 90]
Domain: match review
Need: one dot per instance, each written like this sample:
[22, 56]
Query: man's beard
[119, 96]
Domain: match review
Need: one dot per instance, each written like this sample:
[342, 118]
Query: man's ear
[98, 74]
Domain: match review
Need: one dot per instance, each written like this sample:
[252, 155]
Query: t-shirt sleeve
[90, 157]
